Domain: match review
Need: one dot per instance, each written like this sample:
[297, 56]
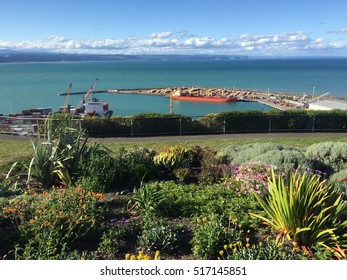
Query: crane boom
[88, 93]
[319, 96]
[67, 98]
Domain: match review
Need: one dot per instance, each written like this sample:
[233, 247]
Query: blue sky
[247, 27]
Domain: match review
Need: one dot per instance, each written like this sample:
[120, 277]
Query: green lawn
[11, 150]
[219, 144]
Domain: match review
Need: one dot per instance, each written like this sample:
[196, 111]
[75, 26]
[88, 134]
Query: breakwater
[277, 100]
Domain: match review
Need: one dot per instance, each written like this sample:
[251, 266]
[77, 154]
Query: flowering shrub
[250, 177]
[211, 233]
[140, 256]
[269, 251]
[49, 223]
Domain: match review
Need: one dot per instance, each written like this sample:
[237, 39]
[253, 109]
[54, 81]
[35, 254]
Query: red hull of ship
[205, 99]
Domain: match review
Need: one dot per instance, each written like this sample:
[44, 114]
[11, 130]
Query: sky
[219, 27]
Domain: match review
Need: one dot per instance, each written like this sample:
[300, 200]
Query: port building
[328, 105]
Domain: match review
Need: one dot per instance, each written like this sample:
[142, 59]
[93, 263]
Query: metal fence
[180, 125]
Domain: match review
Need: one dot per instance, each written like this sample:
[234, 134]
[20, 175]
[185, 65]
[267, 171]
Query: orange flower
[46, 223]
[32, 221]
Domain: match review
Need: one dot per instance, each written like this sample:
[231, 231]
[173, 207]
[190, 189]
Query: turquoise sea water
[33, 85]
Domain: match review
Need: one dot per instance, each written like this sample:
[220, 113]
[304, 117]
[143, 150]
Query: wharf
[277, 100]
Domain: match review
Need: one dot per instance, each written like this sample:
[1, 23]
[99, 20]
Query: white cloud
[161, 35]
[338, 31]
[185, 43]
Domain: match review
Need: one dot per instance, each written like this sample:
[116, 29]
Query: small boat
[219, 99]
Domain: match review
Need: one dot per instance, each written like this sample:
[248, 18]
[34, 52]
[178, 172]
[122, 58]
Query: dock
[277, 100]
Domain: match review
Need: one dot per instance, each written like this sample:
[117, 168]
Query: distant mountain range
[7, 56]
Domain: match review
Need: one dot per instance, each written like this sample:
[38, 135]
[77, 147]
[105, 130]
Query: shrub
[261, 251]
[189, 200]
[328, 156]
[51, 223]
[282, 157]
[140, 164]
[340, 182]
[97, 172]
[246, 178]
[211, 232]
[157, 235]
[172, 157]
[306, 210]
[286, 160]
[250, 151]
[211, 167]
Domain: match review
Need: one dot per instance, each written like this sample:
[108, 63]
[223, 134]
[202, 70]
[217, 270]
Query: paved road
[195, 137]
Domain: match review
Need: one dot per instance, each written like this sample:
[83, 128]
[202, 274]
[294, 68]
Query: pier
[277, 100]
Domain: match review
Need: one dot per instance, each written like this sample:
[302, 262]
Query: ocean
[34, 85]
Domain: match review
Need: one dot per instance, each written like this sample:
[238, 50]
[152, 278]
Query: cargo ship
[187, 97]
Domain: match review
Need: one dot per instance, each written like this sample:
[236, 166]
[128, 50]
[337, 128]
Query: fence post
[180, 126]
[132, 126]
[224, 124]
[38, 127]
[314, 120]
[270, 123]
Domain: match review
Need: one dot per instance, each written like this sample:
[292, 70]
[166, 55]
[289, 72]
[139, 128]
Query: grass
[10, 150]
[216, 144]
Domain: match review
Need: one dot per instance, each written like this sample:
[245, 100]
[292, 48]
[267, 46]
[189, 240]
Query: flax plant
[308, 211]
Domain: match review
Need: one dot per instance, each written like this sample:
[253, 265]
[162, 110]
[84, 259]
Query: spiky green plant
[306, 210]
[147, 199]
[171, 157]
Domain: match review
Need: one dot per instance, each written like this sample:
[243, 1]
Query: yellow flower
[234, 250]
[157, 255]
[127, 256]
[221, 252]
[247, 245]
[132, 257]
[247, 239]
[32, 221]
[225, 247]
[279, 244]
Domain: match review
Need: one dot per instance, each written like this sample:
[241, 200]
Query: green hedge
[225, 122]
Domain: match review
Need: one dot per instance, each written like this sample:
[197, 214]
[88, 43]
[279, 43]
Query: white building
[328, 105]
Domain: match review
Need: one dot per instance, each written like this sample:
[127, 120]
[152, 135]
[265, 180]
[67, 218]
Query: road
[326, 135]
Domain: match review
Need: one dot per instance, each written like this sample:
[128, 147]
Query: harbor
[276, 100]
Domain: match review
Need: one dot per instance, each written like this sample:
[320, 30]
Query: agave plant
[58, 156]
[306, 210]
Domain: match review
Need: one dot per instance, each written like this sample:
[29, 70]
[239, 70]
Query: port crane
[88, 93]
[306, 103]
[64, 110]
[318, 97]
